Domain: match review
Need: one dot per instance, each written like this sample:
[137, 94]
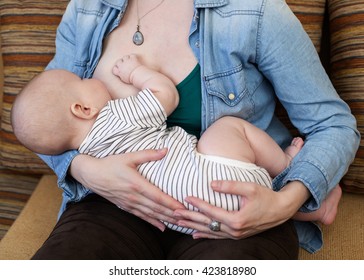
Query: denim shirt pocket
[228, 93]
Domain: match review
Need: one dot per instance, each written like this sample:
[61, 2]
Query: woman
[244, 55]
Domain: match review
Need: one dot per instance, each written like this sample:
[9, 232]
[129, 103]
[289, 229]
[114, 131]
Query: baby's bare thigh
[226, 138]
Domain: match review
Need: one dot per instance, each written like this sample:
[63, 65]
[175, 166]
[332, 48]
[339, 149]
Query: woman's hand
[117, 179]
[261, 209]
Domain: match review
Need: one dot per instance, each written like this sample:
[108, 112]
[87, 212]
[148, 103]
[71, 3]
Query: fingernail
[195, 236]
[162, 151]
[215, 184]
[181, 224]
[176, 214]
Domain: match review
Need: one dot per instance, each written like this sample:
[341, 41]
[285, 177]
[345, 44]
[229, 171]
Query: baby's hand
[125, 66]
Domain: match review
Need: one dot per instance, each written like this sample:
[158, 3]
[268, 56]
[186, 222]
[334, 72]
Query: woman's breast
[171, 57]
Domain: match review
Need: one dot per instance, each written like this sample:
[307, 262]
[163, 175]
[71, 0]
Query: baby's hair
[39, 114]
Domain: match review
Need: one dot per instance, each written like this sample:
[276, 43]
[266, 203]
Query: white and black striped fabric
[137, 123]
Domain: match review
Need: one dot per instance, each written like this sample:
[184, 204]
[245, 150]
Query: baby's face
[95, 91]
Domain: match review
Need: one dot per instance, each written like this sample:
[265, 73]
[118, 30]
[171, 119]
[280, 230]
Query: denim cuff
[310, 176]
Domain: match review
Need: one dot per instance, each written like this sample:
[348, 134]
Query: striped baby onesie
[139, 122]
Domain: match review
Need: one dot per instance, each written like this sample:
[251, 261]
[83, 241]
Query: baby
[58, 111]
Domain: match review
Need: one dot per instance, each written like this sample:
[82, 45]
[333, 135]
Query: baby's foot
[326, 214]
[293, 149]
[125, 66]
[330, 206]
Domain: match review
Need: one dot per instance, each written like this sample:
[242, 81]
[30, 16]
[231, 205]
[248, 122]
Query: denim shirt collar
[210, 3]
[116, 4]
[120, 4]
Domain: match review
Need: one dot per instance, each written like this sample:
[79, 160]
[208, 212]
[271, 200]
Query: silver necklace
[138, 37]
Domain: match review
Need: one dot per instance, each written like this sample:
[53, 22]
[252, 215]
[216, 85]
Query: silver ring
[215, 225]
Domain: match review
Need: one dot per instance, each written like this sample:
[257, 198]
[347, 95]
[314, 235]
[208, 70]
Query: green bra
[188, 112]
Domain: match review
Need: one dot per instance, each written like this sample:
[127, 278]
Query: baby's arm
[131, 71]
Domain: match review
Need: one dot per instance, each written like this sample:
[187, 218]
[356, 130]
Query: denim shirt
[251, 52]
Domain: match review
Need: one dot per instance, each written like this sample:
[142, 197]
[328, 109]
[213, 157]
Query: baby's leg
[237, 139]
[226, 138]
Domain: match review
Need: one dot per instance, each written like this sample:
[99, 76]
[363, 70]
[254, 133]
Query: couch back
[27, 32]
[1, 81]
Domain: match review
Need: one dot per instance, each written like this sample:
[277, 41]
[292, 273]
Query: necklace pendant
[138, 37]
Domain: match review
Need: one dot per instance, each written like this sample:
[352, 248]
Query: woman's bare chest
[165, 47]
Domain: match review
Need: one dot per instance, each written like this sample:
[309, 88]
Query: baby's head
[48, 113]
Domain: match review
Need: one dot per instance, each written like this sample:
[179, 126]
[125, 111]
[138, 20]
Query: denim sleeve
[64, 59]
[73, 190]
[287, 57]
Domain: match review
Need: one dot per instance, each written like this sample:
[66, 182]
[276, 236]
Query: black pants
[96, 229]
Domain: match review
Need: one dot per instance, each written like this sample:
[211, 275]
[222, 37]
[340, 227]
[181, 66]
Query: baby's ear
[83, 112]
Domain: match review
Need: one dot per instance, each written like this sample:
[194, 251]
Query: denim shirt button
[197, 44]
[231, 96]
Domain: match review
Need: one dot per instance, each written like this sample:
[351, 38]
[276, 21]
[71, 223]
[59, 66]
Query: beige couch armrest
[344, 239]
[35, 222]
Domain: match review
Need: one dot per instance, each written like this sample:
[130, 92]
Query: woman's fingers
[150, 203]
[139, 157]
[155, 222]
[161, 202]
[209, 211]
[233, 187]
[200, 223]
[123, 185]
[234, 224]
[201, 219]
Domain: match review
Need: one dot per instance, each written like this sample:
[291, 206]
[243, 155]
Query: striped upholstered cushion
[347, 72]
[27, 30]
[311, 14]
[15, 190]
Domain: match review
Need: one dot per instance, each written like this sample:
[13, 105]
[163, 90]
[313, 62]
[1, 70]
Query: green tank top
[188, 112]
